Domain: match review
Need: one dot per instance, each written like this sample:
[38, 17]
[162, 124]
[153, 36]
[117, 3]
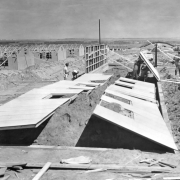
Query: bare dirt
[171, 93]
[121, 157]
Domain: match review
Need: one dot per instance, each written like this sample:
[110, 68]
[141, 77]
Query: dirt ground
[121, 157]
[172, 99]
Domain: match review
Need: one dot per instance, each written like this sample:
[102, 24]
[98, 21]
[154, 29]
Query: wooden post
[155, 55]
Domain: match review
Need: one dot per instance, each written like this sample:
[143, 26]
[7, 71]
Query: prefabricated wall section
[54, 56]
[95, 56]
[12, 62]
[81, 50]
[21, 60]
[25, 58]
[61, 53]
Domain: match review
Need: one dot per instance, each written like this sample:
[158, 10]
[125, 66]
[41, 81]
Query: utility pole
[155, 55]
[99, 32]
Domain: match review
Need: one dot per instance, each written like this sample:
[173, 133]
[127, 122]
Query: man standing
[66, 71]
[177, 64]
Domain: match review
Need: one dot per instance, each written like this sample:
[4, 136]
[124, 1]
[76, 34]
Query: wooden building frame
[95, 56]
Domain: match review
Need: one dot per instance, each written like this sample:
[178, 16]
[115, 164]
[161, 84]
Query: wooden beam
[98, 166]
[42, 171]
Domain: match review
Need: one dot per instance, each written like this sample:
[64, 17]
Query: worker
[177, 64]
[143, 72]
[66, 71]
[135, 70]
[75, 74]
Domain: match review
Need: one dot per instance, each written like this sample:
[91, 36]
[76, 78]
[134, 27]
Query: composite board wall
[21, 60]
[61, 53]
[74, 50]
[95, 56]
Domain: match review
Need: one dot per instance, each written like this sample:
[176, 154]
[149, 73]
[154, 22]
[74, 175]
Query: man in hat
[177, 64]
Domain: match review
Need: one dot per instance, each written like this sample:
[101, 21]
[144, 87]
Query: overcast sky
[56, 19]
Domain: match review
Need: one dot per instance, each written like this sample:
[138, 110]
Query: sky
[58, 19]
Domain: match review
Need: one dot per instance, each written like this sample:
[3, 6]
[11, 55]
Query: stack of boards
[34, 107]
[138, 98]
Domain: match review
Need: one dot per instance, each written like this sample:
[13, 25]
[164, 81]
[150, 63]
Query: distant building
[81, 50]
[95, 56]
[61, 53]
[74, 50]
[116, 47]
[21, 59]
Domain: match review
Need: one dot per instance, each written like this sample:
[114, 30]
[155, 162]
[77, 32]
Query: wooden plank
[134, 93]
[136, 86]
[134, 101]
[18, 112]
[104, 166]
[93, 77]
[42, 171]
[22, 125]
[143, 127]
[71, 85]
[140, 117]
[17, 103]
[150, 66]
[32, 108]
[42, 93]
[151, 85]
[138, 103]
[146, 114]
[135, 90]
[63, 148]
[10, 119]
